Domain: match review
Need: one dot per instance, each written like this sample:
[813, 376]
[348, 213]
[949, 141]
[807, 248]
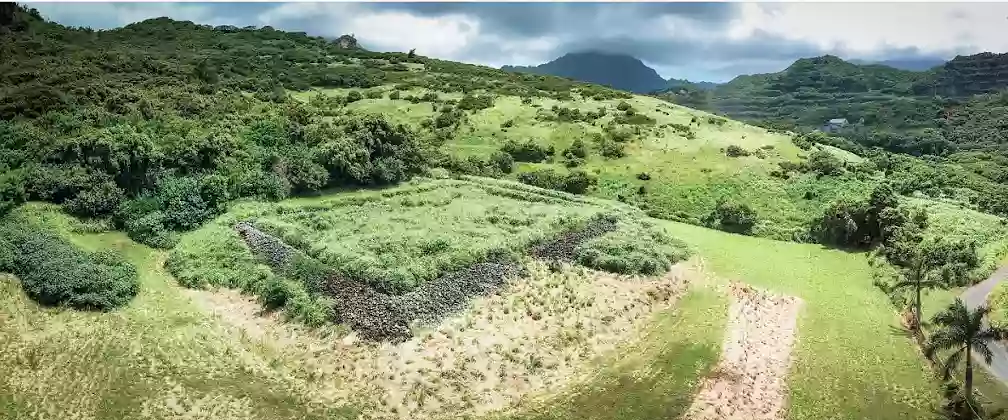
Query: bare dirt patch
[534, 336]
[750, 380]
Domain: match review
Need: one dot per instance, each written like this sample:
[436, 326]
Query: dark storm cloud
[678, 39]
[537, 19]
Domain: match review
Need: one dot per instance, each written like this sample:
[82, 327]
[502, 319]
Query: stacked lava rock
[374, 315]
[435, 300]
[562, 249]
[276, 253]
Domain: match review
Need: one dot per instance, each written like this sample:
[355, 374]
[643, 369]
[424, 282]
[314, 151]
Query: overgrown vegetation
[54, 272]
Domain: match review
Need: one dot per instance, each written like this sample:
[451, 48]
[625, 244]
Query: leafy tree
[732, 216]
[962, 332]
[824, 163]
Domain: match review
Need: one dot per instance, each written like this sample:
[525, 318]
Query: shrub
[354, 96]
[731, 216]
[393, 95]
[150, 230]
[55, 272]
[372, 151]
[624, 106]
[611, 149]
[635, 247]
[824, 163]
[577, 149]
[736, 151]
[575, 182]
[503, 161]
[644, 176]
[6, 256]
[471, 103]
[528, 151]
[183, 205]
[262, 185]
[801, 141]
[98, 200]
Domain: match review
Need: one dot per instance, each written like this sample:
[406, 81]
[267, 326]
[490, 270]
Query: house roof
[838, 121]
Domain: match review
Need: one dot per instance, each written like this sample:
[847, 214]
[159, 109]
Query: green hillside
[264, 224]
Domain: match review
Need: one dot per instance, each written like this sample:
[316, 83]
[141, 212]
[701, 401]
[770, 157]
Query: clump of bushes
[824, 163]
[528, 151]
[476, 102]
[493, 166]
[575, 182]
[54, 272]
[576, 152]
[859, 222]
[736, 151]
[732, 216]
[636, 246]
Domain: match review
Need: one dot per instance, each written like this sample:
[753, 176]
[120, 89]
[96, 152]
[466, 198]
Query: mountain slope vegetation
[376, 171]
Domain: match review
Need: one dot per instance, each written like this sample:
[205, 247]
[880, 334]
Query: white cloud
[443, 36]
[866, 28]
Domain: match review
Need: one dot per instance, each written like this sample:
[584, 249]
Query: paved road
[975, 296]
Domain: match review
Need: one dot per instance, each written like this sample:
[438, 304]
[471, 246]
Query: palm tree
[964, 332]
[936, 263]
[917, 278]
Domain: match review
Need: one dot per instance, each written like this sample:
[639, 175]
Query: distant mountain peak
[616, 70]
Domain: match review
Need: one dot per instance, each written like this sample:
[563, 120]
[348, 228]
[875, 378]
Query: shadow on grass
[663, 390]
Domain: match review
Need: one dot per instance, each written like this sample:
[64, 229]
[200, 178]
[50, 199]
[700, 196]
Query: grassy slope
[653, 379]
[850, 364]
[688, 176]
[160, 357]
[163, 349]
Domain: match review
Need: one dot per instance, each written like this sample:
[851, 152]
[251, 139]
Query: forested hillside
[162, 122]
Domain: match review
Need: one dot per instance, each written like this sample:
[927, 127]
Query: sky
[695, 41]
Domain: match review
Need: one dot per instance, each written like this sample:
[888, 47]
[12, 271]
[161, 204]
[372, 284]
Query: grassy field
[166, 356]
[655, 378]
[161, 357]
[850, 363]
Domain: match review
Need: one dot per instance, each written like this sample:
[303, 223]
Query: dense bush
[635, 247]
[732, 216]
[476, 102]
[575, 182]
[503, 161]
[528, 151]
[577, 149]
[736, 151]
[52, 271]
[850, 221]
[102, 199]
[824, 163]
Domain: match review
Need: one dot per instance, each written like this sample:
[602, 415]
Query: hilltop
[619, 71]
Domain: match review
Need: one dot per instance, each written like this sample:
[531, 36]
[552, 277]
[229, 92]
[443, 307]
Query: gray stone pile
[562, 248]
[433, 301]
[374, 315]
[275, 252]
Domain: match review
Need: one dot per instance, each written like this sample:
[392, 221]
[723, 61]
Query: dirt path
[750, 380]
